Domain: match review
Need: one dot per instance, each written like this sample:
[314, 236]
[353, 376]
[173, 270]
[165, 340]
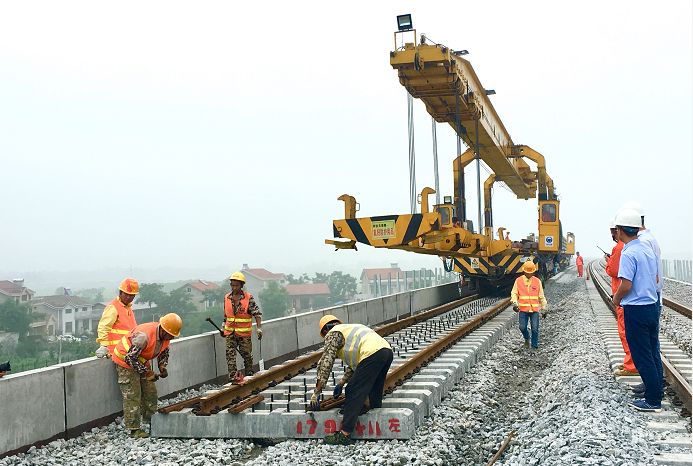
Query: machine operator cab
[448, 216]
[549, 226]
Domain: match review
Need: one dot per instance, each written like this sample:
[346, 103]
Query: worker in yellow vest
[133, 355]
[239, 310]
[367, 356]
[527, 298]
[117, 318]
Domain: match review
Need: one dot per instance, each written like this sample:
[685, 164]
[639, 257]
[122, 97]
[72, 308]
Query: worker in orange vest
[133, 355]
[239, 310]
[117, 318]
[579, 262]
[612, 261]
[527, 298]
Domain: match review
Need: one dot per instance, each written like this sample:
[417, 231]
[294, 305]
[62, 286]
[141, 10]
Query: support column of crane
[412, 154]
[434, 136]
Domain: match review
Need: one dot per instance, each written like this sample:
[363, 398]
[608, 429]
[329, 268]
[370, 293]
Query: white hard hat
[612, 224]
[628, 218]
[635, 206]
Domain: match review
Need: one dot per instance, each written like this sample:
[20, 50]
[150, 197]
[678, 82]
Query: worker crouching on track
[133, 355]
[527, 298]
[239, 309]
[368, 357]
[117, 318]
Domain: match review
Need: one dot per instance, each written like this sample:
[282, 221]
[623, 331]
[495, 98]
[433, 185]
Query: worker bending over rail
[117, 318]
[612, 262]
[133, 355]
[527, 298]
[368, 357]
[239, 309]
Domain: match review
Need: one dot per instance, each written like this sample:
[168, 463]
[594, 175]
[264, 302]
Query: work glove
[150, 376]
[314, 404]
[102, 352]
[516, 308]
[337, 390]
[259, 334]
[163, 372]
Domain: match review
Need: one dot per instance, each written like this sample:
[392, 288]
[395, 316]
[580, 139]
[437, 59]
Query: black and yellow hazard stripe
[508, 264]
[407, 228]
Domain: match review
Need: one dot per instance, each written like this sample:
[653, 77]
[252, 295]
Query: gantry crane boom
[449, 87]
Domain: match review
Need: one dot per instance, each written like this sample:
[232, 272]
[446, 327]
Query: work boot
[625, 373]
[527, 344]
[138, 433]
[338, 438]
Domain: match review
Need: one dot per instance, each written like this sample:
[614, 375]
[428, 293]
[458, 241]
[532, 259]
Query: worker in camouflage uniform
[133, 355]
[367, 358]
[239, 310]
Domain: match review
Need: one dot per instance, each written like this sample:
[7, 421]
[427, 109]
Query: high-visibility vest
[359, 343]
[148, 353]
[122, 326]
[528, 296]
[240, 323]
[579, 261]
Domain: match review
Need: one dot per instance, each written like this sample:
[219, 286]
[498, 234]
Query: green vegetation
[15, 317]
[274, 301]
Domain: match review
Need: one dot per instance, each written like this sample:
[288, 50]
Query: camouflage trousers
[139, 397]
[243, 345]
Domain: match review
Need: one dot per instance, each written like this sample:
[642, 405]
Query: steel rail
[216, 401]
[412, 365]
[678, 307]
[676, 381]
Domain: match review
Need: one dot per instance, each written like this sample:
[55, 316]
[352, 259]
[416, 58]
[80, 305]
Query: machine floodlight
[404, 23]
[460, 52]
[490, 92]
[447, 199]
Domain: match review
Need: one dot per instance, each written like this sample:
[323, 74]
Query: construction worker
[133, 355]
[579, 262]
[368, 357]
[612, 261]
[117, 318]
[527, 298]
[637, 293]
[239, 309]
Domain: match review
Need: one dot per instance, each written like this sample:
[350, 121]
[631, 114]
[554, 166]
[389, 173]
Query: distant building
[307, 296]
[258, 279]
[16, 290]
[196, 288]
[376, 282]
[64, 315]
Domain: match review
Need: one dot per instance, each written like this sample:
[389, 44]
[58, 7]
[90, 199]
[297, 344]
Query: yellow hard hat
[129, 286]
[529, 267]
[324, 320]
[171, 323]
[238, 276]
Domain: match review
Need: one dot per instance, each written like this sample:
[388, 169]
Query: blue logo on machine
[548, 241]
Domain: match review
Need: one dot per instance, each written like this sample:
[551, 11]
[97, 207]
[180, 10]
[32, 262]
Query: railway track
[432, 352]
[677, 367]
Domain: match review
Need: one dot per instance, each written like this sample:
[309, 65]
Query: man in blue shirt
[637, 293]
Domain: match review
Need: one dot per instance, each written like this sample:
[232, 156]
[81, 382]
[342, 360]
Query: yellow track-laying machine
[452, 93]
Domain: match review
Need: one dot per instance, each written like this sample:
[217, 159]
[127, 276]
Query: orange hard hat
[324, 320]
[171, 323]
[529, 267]
[129, 286]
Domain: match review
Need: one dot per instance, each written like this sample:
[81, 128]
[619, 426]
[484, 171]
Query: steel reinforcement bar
[212, 403]
[673, 376]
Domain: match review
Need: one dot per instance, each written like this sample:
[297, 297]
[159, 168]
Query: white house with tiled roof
[258, 279]
[66, 315]
[16, 290]
[196, 288]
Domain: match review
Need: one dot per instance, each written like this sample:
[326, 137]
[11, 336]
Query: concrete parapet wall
[40, 405]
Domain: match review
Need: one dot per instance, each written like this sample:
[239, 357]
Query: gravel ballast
[562, 401]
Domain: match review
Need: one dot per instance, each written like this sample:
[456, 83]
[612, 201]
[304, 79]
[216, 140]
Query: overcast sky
[209, 134]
